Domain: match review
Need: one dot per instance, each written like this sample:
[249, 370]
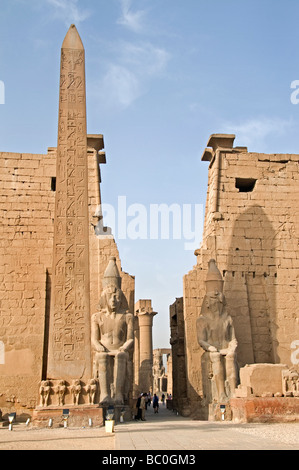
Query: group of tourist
[144, 401]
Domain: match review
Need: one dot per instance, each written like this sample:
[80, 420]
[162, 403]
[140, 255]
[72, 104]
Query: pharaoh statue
[112, 339]
[216, 335]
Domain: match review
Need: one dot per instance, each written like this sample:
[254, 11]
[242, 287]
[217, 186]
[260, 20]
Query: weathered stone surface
[265, 410]
[261, 380]
[77, 417]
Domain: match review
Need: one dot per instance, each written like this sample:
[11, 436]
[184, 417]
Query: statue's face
[216, 302]
[113, 298]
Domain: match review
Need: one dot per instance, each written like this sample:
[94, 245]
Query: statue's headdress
[111, 275]
[214, 279]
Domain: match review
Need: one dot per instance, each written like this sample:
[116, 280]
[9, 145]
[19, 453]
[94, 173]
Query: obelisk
[69, 355]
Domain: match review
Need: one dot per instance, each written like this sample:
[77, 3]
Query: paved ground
[166, 431]
[163, 431]
[22, 438]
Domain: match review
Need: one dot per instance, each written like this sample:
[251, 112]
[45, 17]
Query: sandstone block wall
[26, 242]
[26, 234]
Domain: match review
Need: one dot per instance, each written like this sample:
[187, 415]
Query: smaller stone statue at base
[76, 391]
[44, 393]
[91, 389]
[60, 390]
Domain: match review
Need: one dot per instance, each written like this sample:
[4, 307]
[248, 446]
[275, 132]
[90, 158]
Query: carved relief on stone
[60, 391]
[44, 393]
[91, 389]
[290, 383]
[76, 391]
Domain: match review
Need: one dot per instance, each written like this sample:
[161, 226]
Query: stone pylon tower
[69, 333]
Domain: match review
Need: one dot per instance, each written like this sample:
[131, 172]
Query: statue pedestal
[78, 416]
[265, 409]
[220, 412]
[124, 411]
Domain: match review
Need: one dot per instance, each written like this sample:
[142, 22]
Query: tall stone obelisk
[69, 354]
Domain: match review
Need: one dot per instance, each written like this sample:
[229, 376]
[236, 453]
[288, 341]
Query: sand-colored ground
[23, 438]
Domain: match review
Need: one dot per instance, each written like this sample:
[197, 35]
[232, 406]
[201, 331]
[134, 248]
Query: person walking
[143, 406]
[156, 403]
[138, 415]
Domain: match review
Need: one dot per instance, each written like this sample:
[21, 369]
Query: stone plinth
[260, 380]
[122, 410]
[265, 410]
[78, 416]
[219, 412]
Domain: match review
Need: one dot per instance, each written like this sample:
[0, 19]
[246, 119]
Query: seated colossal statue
[216, 335]
[112, 339]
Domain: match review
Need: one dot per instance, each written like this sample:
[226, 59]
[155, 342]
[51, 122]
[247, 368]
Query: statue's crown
[111, 275]
[214, 279]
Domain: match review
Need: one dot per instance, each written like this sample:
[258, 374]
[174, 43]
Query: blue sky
[162, 75]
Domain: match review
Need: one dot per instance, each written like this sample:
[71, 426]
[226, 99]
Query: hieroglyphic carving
[69, 341]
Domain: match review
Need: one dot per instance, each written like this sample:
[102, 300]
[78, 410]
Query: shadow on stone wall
[46, 326]
[250, 286]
